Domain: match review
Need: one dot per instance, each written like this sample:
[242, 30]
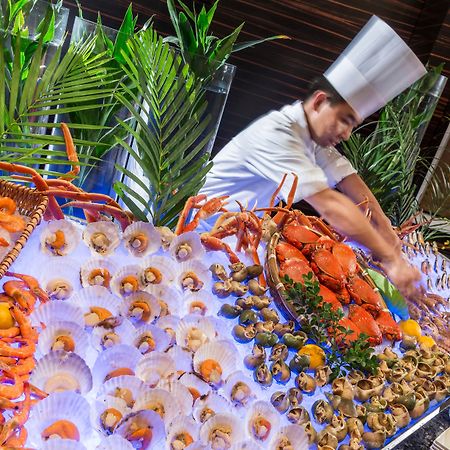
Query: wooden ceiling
[278, 72]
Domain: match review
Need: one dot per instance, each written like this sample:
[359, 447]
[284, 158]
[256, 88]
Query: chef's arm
[354, 188]
[347, 218]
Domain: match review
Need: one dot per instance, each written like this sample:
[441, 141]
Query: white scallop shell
[196, 386]
[164, 264]
[193, 331]
[154, 367]
[182, 357]
[169, 299]
[54, 273]
[154, 238]
[48, 336]
[200, 303]
[160, 338]
[135, 314]
[116, 357]
[132, 270]
[112, 232]
[167, 236]
[229, 422]
[72, 237]
[47, 313]
[180, 392]
[96, 263]
[212, 402]
[179, 425]
[59, 406]
[201, 273]
[102, 404]
[262, 410]
[158, 397]
[252, 389]
[123, 334]
[61, 371]
[114, 442]
[187, 246]
[61, 444]
[144, 419]
[296, 435]
[223, 352]
[119, 386]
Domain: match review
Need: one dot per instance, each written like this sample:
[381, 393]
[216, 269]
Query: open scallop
[193, 276]
[149, 338]
[60, 279]
[200, 303]
[47, 313]
[158, 270]
[61, 371]
[118, 360]
[240, 390]
[182, 395]
[142, 428]
[97, 304]
[109, 411]
[126, 387]
[170, 299]
[187, 246]
[262, 422]
[102, 237]
[222, 431]
[196, 386]
[210, 404]
[159, 400]
[127, 281]
[59, 237]
[182, 357]
[169, 324]
[290, 436]
[193, 331]
[114, 442]
[141, 239]
[215, 361]
[67, 336]
[63, 415]
[118, 330]
[181, 433]
[98, 272]
[141, 308]
[155, 367]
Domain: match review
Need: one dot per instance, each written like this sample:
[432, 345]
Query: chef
[300, 138]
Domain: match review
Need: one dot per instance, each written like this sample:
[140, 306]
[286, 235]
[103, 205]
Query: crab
[365, 295]
[328, 270]
[388, 326]
[366, 323]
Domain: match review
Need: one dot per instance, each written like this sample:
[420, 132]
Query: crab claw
[388, 326]
[366, 323]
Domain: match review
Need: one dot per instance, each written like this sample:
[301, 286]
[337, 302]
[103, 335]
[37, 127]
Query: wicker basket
[30, 203]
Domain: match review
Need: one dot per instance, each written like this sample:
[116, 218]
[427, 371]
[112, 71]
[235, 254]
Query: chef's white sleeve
[335, 166]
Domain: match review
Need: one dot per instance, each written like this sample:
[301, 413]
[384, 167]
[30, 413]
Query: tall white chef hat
[374, 68]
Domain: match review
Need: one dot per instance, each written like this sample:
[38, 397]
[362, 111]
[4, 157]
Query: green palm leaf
[168, 126]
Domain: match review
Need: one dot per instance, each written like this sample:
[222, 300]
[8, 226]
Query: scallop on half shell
[102, 237]
[141, 239]
[59, 237]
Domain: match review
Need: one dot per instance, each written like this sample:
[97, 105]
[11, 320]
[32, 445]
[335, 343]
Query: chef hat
[374, 68]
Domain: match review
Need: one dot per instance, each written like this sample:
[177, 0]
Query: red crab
[388, 326]
[363, 294]
[366, 323]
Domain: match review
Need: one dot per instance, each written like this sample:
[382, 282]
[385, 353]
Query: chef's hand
[404, 276]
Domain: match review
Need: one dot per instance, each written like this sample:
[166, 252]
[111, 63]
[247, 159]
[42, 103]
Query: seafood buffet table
[159, 369]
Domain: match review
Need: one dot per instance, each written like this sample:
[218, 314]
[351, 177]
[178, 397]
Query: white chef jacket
[250, 167]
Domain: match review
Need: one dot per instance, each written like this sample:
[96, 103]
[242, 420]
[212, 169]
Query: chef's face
[331, 123]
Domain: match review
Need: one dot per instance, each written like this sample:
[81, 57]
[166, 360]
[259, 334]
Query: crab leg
[191, 202]
[71, 154]
[83, 196]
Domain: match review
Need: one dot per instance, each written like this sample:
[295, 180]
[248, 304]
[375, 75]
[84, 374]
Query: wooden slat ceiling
[278, 72]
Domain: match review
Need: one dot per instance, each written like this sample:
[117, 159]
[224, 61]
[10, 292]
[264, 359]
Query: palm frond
[168, 128]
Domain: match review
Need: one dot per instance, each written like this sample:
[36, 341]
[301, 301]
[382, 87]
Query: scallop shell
[187, 246]
[159, 338]
[296, 436]
[109, 402]
[196, 386]
[167, 236]
[49, 335]
[127, 387]
[61, 371]
[104, 337]
[132, 271]
[135, 245]
[259, 414]
[193, 276]
[62, 444]
[113, 359]
[102, 237]
[182, 357]
[200, 303]
[50, 312]
[193, 331]
[240, 390]
[143, 419]
[182, 395]
[59, 406]
[170, 299]
[108, 267]
[114, 442]
[60, 279]
[137, 313]
[71, 234]
[159, 400]
[208, 405]
[154, 367]
[223, 353]
[228, 424]
[164, 268]
[169, 324]
[96, 296]
[182, 424]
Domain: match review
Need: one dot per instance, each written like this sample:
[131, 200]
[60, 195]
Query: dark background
[278, 72]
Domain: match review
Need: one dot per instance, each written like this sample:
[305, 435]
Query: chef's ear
[319, 98]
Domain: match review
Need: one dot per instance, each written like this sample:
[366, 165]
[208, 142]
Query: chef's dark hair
[322, 84]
